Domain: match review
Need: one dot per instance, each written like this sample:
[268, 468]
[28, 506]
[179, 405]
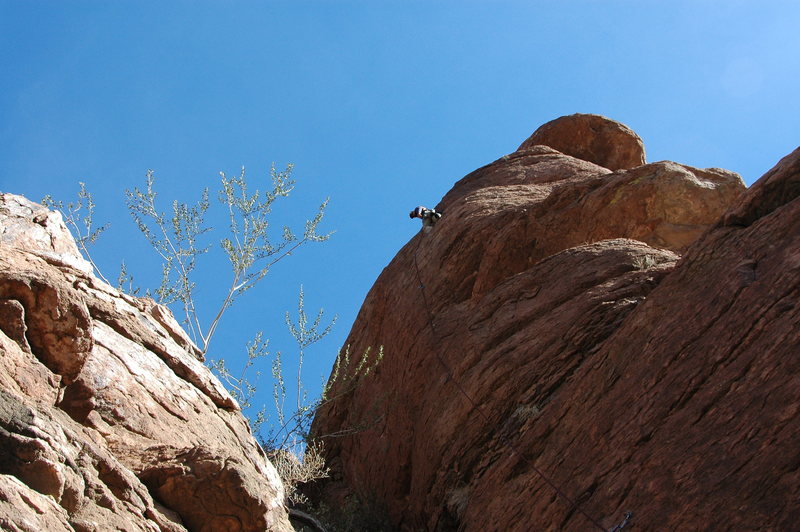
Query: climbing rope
[624, 522]
[505, 439]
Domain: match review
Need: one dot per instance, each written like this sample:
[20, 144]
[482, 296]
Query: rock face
[570, 343]
[594, 138]
[108, 418]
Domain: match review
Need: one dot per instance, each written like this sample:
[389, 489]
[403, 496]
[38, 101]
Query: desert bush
[180, 239]
[249, 247]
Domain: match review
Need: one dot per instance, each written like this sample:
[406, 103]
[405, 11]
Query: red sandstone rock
[32, 227]
[505, 217]
[688, 414]
[108, 418]
[592, 138]
[208, 490]
[543, 371]
[24, 509]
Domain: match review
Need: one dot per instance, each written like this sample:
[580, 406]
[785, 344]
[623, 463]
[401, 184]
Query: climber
[428, 216]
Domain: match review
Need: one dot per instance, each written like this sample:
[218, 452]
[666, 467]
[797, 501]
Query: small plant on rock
[181, 238]
[249, 247]
[79, 217]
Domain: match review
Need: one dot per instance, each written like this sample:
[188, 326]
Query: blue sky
[381, 106]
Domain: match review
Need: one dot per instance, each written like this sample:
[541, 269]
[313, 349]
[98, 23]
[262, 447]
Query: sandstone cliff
[584, 334]
[108, 418]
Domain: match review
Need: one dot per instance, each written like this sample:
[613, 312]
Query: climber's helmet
[417, 212]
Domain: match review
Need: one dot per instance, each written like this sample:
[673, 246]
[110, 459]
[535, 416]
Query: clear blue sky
[381, 105]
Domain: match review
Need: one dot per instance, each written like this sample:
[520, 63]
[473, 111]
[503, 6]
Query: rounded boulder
[592, 138]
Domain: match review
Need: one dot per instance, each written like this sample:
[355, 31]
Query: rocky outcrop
[594, 138]
[572, 342]
[108, 418]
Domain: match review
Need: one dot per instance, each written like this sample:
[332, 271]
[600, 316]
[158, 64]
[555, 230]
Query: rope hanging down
[505, 439]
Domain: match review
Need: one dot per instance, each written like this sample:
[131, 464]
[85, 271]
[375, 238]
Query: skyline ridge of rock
[631, 329]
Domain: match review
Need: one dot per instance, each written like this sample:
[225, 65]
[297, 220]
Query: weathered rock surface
[108, 418]
[569, 343]
[594, 138]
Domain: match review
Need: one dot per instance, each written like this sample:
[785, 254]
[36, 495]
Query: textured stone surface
[208, 489]
[531, 204]
[32, 227]
[25, 510]
[593, 138]
[532, 343]
[693, 403]
[108, 418]
[56, 319]
[50, 457]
